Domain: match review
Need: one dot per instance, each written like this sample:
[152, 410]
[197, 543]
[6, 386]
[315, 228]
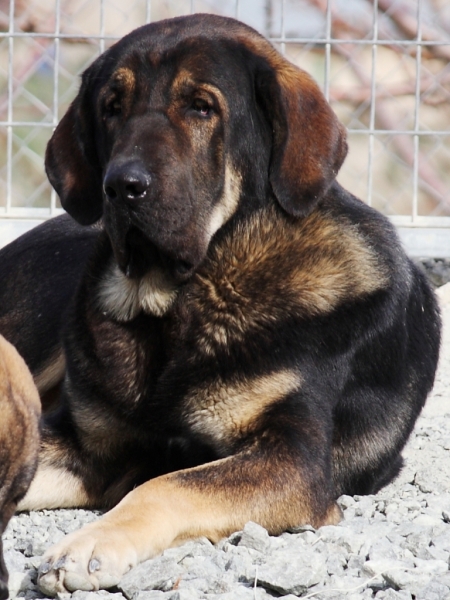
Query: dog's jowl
[233, 336]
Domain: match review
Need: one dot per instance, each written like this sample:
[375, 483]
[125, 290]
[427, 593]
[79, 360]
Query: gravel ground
[395, 545]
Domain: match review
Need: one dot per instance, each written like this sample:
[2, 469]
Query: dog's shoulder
[272, 264]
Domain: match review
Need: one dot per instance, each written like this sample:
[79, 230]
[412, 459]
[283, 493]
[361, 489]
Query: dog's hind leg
[57, 484]
[55, 487]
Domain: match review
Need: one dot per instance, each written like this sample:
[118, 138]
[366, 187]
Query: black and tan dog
[247, 340]
[20, 409]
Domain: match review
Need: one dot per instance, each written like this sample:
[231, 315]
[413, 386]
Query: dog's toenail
[59, 563]
[94, 565]
[44, 568]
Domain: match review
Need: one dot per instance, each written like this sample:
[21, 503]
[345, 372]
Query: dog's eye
[202, 107]
[113, 109]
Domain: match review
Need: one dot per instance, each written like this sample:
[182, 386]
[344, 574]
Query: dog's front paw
[90, 559]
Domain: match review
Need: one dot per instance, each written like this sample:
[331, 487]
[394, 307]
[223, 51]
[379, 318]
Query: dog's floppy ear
[309, 143]
[71, 160]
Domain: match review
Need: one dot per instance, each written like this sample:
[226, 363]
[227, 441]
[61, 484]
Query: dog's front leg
[268, 485]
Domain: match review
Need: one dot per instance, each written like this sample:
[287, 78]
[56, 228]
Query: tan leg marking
[168, 510]
[222, 411]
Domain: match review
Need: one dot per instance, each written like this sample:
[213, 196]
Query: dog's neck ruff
[123, 299]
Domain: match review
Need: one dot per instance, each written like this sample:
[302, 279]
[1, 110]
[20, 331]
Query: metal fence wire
[383, 64]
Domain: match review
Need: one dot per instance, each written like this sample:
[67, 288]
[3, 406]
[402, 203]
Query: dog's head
[180, 125]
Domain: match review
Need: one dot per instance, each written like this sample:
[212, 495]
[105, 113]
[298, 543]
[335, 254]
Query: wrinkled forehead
[203, 47]
[195, 60]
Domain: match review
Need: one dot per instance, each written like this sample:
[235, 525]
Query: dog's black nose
[128, 182]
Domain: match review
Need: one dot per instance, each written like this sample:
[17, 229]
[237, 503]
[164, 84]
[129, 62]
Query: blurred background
[383, 64]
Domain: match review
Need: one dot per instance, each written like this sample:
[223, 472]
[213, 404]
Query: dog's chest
[268, 276]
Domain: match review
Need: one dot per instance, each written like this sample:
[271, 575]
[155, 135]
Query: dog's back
[393, 360]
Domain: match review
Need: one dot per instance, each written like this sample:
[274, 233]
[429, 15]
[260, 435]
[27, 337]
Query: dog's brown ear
[71, 161]
[309, 143]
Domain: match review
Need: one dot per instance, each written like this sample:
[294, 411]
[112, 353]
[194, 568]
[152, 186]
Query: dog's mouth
[137, 255]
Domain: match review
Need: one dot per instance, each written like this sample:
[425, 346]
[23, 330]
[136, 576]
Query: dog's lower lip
[133, 269]
[182, 270]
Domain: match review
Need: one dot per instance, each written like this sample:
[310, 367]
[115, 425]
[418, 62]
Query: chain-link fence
[383, 64]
